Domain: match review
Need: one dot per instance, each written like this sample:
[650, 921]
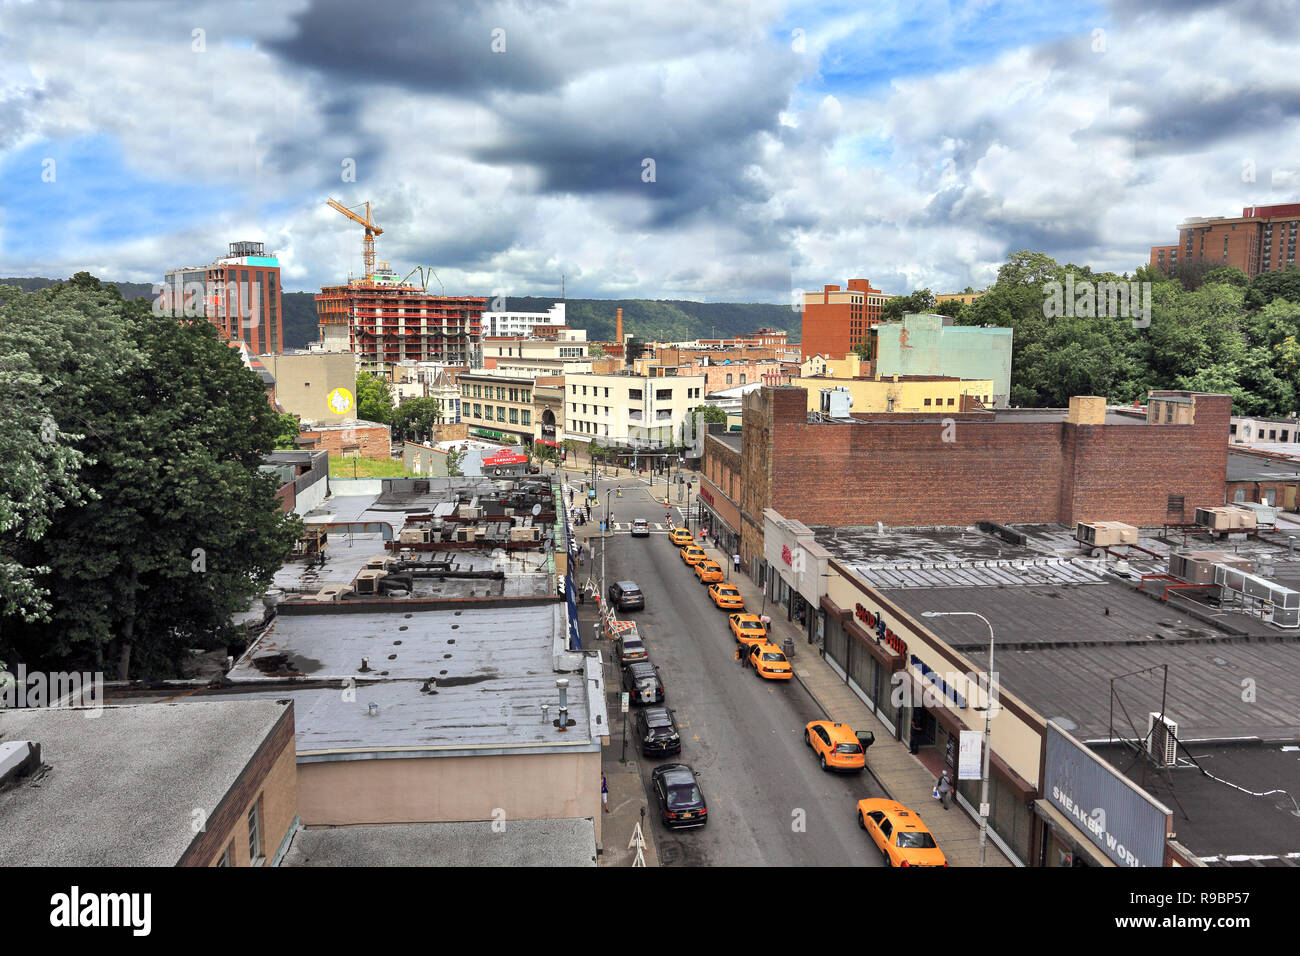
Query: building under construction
[384, 320]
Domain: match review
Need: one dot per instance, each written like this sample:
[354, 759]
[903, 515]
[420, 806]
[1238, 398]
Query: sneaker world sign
[1122, 820]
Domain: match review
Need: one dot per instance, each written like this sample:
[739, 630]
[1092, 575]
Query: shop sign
[706, 495]
[884, 635]
[943, 686]
[969, 766]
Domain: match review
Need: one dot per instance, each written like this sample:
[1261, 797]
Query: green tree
[182, 528]
[1268, 286]
[290, 428]
[374, 399]
[595, 350]
[1228, 275]
[454, 460]
[920, 301]
[413, 420]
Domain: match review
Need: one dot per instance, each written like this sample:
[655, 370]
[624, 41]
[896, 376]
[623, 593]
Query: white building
[1257, 432]
[625, 409]
[521, 323]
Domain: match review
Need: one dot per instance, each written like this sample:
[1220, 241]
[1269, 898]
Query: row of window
[503, 394]
[952, 401]
[515, 416]
[256, 854]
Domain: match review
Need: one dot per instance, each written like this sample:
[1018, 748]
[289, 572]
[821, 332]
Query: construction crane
[372, 230]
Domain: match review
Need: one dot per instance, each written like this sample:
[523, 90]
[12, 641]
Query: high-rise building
[836, 320]
[523, 323]
[1261, 239]
[239, 293]
[383, 320]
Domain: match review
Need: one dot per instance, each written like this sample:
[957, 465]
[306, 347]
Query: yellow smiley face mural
[340, 401]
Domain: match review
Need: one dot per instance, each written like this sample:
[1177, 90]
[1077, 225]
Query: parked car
[641, 681]
[681, 801]
[727, 597]
[657, 729]
[640, 528]
[680, 537]
[769, 663]
[626, 596]
[692, 555]
[747, 628]
[837, 746]
[899, 834]
[709, 571]
[630, 647]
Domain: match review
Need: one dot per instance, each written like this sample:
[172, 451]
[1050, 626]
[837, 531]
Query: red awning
[544, 441]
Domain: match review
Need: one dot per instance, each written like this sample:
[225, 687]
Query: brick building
[356, 439]
[239, 294]
[1261, 239]
[836, 320]
[1008, 465]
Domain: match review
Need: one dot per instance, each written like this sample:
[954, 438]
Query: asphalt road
[770, 804]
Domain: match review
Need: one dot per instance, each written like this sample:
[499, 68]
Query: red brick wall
[906, 474]
[375, 440]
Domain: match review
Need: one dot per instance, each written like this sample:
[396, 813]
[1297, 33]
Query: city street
[769, 802]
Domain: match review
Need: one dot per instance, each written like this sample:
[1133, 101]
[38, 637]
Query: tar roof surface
[548, 843]
[493, 669]
[121, 788]
[1254, 468]
[1221, 824]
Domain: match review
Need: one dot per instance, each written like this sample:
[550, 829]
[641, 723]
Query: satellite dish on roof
[537, 509]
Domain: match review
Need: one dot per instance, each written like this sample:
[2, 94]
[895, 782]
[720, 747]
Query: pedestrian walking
[916, 731]
[735, 559]
[604, 792]
[945, 790]
[582, 595]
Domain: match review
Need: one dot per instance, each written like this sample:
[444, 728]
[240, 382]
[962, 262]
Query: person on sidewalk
[916, 731]
[945, 790]
[604, 793]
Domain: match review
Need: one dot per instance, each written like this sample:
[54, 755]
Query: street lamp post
[988, 713]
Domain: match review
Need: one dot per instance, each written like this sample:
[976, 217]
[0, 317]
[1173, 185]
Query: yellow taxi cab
[680, 537]
[727, 597]
[747, 628]
[769, 663]
[836, 745]
[692, 555]
[708, 571]
[899, 834]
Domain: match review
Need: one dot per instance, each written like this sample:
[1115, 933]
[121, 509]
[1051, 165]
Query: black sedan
[681, 802]
[658, 731]
[641, 681]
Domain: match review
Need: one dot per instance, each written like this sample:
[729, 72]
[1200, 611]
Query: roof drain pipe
[563, 684]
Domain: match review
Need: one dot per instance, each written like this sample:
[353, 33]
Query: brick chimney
[618, 333]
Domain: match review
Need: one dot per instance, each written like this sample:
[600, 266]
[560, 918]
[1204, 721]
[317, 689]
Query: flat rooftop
[549, 843]
[1066, 625]
[1246, 817]
[445, 681]
[1254, 468]
[119, 789]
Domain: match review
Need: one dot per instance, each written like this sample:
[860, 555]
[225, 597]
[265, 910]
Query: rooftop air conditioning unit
[1225, 518]
[470, 512]
[381, 561]
[526, 534]
[332, 593]
[1162, 740]
[836, 401]
[465, 534]
[368, 581]
[1105, 534]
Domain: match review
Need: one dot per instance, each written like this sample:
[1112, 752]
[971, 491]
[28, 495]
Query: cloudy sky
[722, 151]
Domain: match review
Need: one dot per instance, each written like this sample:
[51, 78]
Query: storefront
[797, 566]
[720, 516]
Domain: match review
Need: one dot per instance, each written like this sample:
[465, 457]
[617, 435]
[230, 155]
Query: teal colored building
[932, 345]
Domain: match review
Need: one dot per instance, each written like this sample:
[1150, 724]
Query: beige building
[318, 387]
[627, 409]
[899, 393]
[498, 405]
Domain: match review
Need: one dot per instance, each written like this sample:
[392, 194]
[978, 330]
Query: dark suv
[626, 596]
[658, 731]
[641, 681]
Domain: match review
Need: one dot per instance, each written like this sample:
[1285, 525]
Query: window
[728, 378]
[255, 832]
[607, 393]
[951, 401]
[634, 394]
[226, 856]
[742, 378]
[927, 401]
[514, 416]
[501, 413]
[663, 395]
[525, 417]
[478, 410]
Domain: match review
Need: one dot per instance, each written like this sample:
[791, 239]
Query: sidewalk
[902, 776]
[626, 794]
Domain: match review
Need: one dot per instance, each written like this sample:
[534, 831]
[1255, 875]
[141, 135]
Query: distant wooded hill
[671, 319]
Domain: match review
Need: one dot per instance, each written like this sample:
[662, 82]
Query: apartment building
[836, 320]
[523, 324]
[1261, 239]
[239, 293]
[498, 405]
[630, 410]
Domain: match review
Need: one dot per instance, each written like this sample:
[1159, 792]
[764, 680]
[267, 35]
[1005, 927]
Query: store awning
[544, 441]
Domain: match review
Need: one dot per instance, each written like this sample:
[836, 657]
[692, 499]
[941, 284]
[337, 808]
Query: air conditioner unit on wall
[1162, 742]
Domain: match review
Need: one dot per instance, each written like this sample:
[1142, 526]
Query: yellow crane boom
[372, 230]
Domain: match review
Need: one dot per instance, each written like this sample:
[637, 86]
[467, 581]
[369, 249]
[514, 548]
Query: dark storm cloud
[439, 48]
[1187, 122]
